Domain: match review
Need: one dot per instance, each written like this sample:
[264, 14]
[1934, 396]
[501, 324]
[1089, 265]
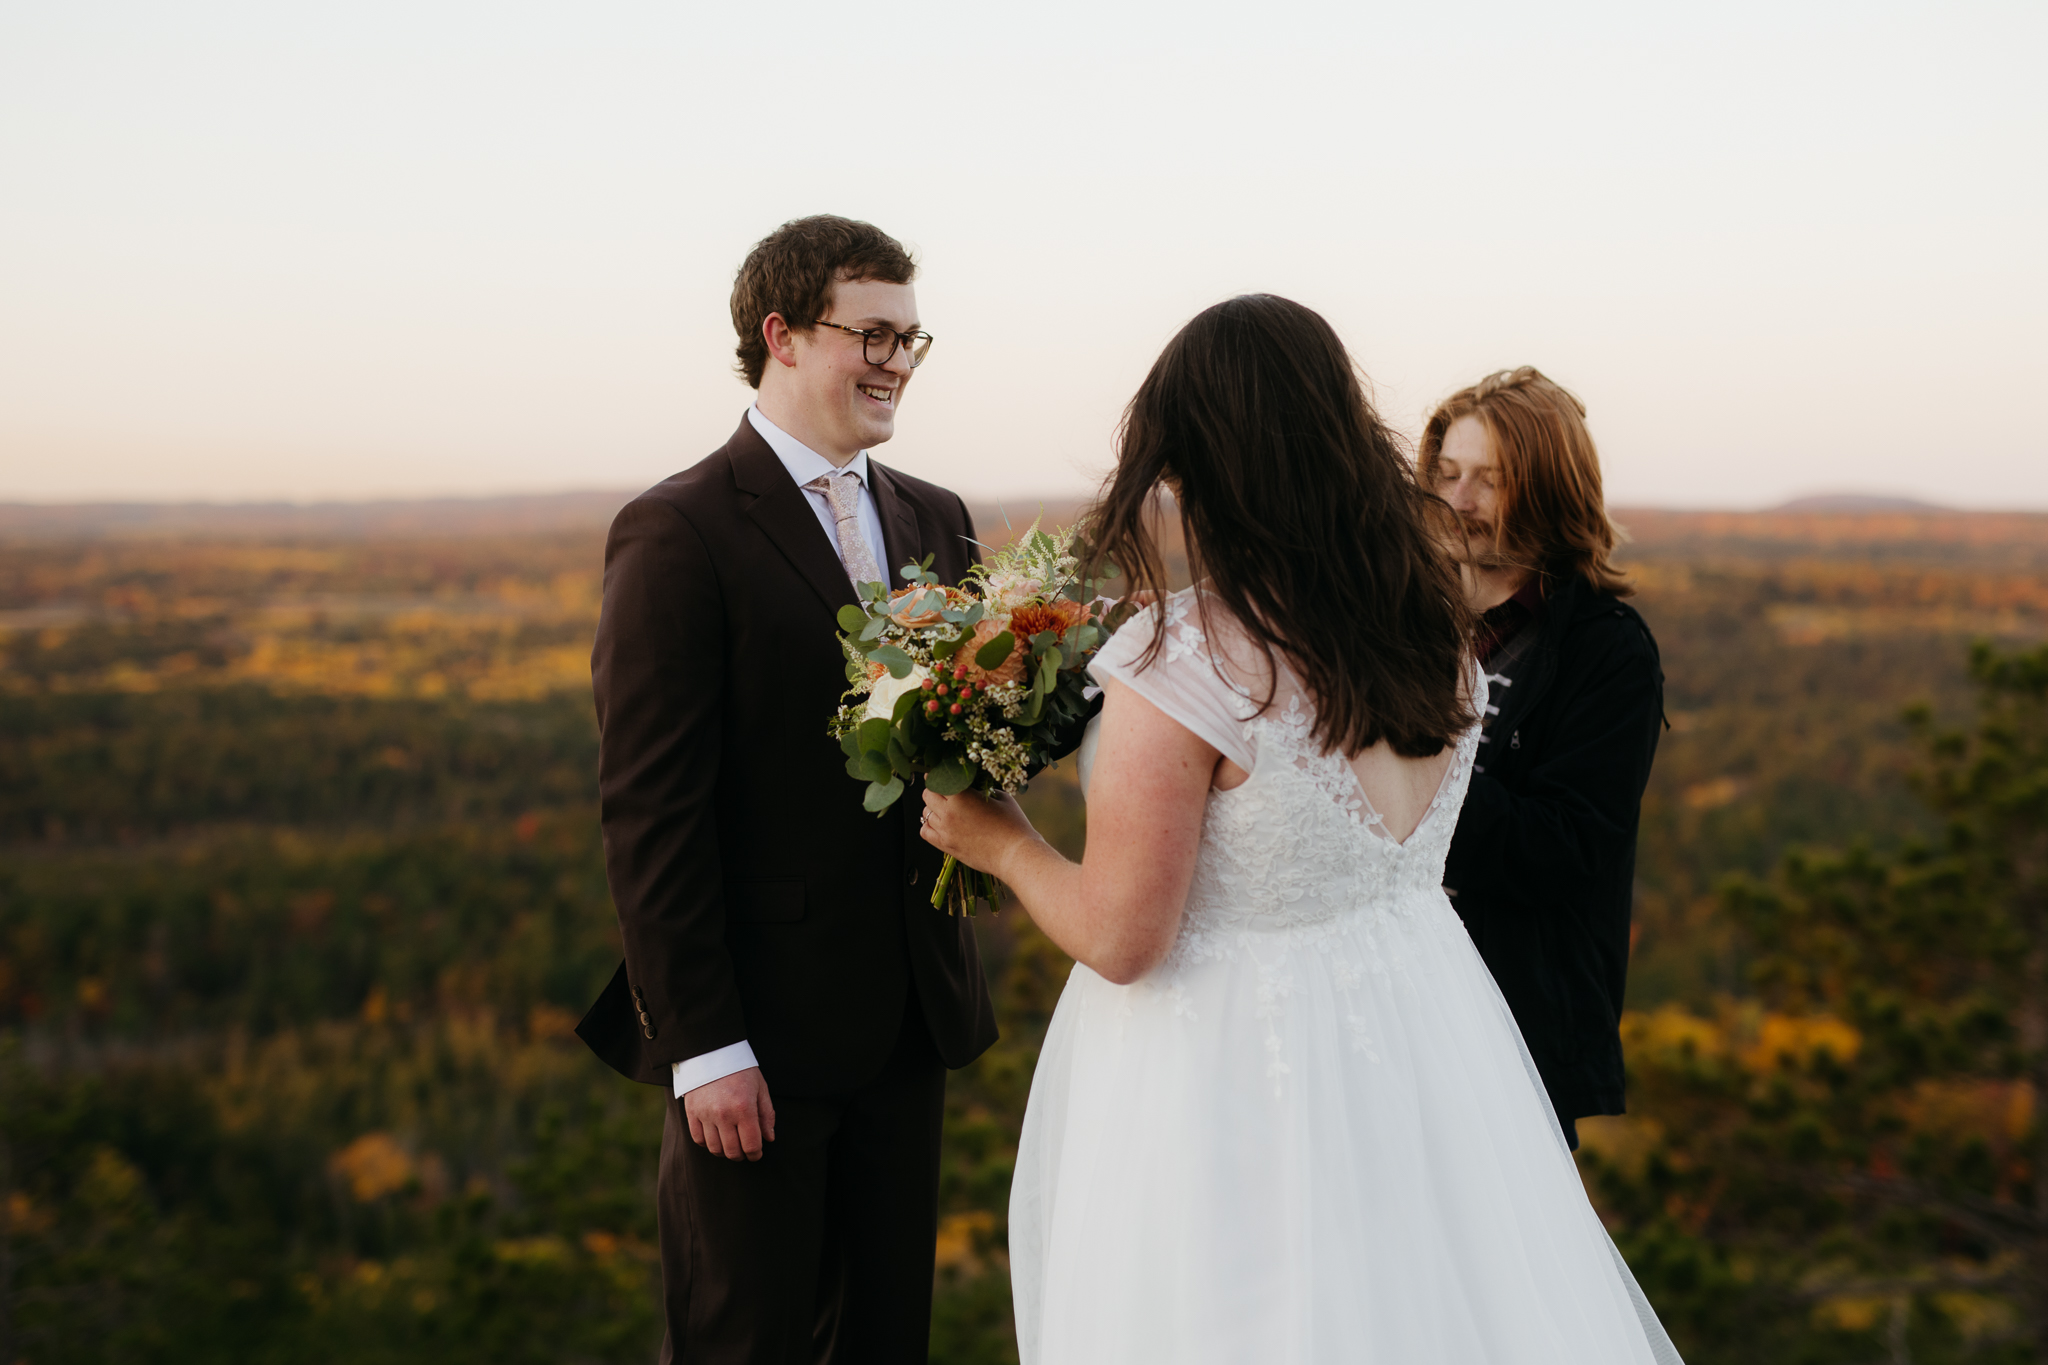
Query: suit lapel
[900, 540]
[784, 515]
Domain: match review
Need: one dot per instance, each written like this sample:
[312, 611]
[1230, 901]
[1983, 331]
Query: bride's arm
[1119, 908]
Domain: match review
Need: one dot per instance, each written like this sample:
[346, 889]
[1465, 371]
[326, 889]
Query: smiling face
[818, 385]
[1468, 477]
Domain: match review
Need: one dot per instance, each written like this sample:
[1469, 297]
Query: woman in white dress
[1282, 1114]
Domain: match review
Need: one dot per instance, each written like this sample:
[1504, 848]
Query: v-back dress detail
[1312, 1134]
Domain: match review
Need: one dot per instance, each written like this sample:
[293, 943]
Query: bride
[1282, 1114]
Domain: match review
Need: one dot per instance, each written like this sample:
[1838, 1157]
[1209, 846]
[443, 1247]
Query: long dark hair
[1299, 508]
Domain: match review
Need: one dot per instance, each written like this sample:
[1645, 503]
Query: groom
[785, 978]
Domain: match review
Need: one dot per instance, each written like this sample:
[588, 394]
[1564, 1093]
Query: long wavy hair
[1553, 514]
[1302, 513]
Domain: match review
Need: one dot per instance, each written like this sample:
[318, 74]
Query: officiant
[1542, 867]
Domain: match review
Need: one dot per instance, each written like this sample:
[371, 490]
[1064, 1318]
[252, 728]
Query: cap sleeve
[1183, 679]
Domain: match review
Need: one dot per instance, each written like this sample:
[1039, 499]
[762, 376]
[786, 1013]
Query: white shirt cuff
[707, 1067]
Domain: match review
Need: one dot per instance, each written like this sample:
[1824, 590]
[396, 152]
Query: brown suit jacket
[757, 899]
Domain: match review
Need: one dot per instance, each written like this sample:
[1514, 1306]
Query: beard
[1482, 547]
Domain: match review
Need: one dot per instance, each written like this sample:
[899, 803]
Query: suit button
[913, 876]
[644, 1019]
[647, 1029]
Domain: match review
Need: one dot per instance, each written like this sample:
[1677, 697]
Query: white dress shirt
[803, 464]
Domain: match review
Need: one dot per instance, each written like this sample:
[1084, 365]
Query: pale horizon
[378, 252]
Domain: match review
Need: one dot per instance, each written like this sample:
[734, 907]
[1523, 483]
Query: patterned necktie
[842, 490]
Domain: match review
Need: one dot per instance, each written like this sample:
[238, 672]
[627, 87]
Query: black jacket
[756, 898]
[1542, 866]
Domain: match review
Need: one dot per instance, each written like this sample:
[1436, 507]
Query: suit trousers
[820, 1253]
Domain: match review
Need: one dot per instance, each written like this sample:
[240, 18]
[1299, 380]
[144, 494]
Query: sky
[310, 251]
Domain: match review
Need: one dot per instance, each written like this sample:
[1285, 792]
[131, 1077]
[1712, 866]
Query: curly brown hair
[791, 271]
[1553, 514]
[1300, 509]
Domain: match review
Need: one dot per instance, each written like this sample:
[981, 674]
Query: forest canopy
[301, 896]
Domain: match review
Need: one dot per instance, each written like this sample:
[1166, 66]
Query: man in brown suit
[785, 976]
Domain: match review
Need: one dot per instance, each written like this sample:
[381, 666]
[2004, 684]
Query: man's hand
[731, 1116]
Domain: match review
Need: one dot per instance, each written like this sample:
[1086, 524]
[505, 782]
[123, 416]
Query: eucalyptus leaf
[851, 618]
[874, 736]
[905, 704]
[882, 795]
[946, 649]
[895, 660]
[849, 744]
[899, 758]
[991, 655]
[875, 767]
[874, 629]
[952, 777]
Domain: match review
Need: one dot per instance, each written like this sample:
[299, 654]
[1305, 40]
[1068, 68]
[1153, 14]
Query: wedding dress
[1312, 1134]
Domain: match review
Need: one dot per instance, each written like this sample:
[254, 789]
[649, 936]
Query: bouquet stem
[945, 881]
[959, 898]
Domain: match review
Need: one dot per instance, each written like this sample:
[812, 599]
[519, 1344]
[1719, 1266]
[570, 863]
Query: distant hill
[2012, 541]
[328, 520]
[407, 519]
[1834, 526]
[1857, 502]
[527, 514]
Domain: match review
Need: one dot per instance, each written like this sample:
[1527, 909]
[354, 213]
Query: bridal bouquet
[975, 687]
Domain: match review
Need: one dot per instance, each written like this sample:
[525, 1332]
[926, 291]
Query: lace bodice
[1296, 848]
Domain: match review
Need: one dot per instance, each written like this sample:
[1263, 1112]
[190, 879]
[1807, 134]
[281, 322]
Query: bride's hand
[978, 830]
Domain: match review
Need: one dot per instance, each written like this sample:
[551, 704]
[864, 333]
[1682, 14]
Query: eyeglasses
[885, 340]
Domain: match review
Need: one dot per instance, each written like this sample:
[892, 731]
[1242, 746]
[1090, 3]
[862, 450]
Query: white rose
[887, 688]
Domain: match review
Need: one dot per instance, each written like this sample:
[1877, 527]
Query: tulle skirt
[1317, 1145]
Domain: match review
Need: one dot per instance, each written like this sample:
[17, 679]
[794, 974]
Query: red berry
[927, 684]
[967, 691]
[954, 708]
[931, 708]
[942, 689]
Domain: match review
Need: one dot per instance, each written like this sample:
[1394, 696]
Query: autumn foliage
[301, 894]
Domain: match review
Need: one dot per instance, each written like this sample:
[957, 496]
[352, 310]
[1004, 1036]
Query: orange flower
[1058, 615]
[1008, 671]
